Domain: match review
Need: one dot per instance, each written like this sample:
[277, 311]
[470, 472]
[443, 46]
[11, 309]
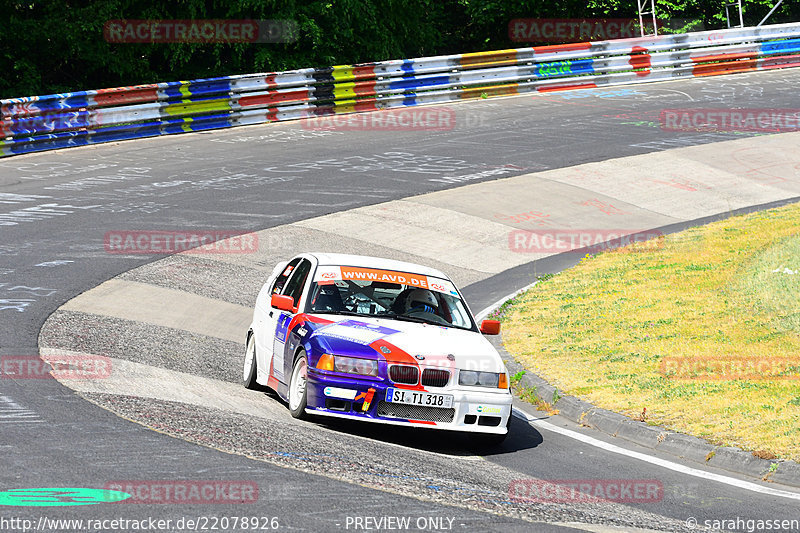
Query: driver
[421, 300]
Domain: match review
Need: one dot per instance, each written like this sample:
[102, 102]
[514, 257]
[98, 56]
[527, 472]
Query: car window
[390, 300]
[294, 287]
[280, 281]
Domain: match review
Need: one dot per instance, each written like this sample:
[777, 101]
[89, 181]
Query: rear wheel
[298, 392]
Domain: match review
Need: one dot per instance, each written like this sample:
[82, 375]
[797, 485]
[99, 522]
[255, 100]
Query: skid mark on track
[13, 413]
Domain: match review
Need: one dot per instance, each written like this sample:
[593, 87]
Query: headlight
[472, 378]
[353, 365]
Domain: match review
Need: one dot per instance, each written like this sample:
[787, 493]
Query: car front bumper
[473, 410]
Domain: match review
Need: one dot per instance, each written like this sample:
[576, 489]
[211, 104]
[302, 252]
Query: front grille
[415, 412]
[435, 377]
[404, 374]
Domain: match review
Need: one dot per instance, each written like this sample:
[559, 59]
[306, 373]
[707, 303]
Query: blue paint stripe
[564, 68]
[781, 47]
[122, 134]
[48, 123]
[415, 83]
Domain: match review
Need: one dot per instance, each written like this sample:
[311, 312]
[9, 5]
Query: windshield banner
[336, 273]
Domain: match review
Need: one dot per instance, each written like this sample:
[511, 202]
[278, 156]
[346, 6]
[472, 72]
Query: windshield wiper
[420, 320]
[412, 319]
[342, 312]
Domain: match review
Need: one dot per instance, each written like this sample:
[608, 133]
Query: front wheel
[298, 392]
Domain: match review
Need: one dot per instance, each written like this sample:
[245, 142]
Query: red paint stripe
[427, 423]
[126, 95]
[300, 318]
[364, 88]
[365, 106]
[364, 71]
[640, 59]
[774, 62]
[554, 88]
[715, 69]
[272, 381]
[275, 98]
[561, 47]
[397, 356]
[408, 387]
[724, 57]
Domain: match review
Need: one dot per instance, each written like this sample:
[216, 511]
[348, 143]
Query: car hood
[428, 344]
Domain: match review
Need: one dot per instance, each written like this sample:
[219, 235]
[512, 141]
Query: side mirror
[490, 327]
[282, 302]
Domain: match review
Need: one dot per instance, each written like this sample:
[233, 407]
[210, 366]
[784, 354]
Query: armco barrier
[73, 119]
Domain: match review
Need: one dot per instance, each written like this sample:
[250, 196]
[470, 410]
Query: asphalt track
[58, 206]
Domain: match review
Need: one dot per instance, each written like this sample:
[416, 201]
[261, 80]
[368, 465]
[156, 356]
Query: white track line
[591, 441]
[482, 314]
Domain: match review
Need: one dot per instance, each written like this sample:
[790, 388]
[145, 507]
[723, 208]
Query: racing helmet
[421, 300]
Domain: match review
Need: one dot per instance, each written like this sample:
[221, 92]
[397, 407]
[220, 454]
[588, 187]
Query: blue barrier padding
[781, 47]
[121, 133]
[413, 83]
[563, 68]
[49, 122]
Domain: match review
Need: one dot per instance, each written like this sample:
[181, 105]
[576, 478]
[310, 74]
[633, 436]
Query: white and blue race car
[376, 340]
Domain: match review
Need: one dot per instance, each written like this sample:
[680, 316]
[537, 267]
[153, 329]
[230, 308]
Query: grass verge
[703, 331]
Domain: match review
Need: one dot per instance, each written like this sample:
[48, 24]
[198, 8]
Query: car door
[267, 316]
[281, 364]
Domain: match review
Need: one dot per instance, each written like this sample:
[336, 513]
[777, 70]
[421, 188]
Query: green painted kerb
[56, 497]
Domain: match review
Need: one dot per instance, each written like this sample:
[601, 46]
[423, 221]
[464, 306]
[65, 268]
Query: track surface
[257, 177]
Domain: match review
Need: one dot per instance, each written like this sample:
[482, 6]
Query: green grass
[607, 329]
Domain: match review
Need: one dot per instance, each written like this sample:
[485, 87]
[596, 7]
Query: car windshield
[398, 301]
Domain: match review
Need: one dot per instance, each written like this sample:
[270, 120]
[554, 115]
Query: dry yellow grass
[608, 330]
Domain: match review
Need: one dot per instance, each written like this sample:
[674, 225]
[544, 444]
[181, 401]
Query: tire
[298, 390]
[250, 369]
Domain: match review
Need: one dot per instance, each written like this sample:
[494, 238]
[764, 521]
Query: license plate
[412, 397]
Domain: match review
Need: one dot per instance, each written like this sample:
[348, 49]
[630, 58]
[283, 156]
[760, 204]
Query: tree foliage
[58, 46]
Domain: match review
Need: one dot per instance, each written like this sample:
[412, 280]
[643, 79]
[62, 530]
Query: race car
[376, 340]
